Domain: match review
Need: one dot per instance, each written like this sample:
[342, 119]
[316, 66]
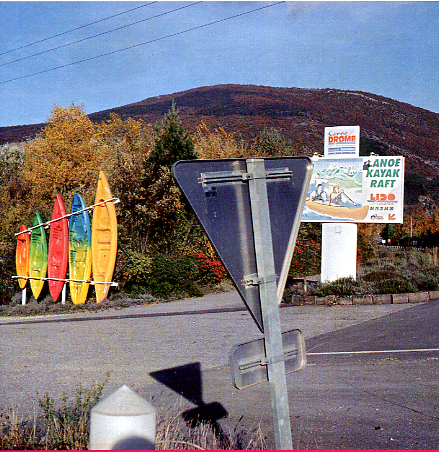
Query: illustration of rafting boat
[354, 213]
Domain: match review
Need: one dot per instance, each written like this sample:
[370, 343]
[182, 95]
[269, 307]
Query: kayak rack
[47, 223]
[112, 283]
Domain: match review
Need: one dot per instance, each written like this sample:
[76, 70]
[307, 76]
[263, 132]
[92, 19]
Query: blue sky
[386, 48]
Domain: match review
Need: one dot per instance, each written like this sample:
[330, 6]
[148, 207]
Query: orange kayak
[22, 256]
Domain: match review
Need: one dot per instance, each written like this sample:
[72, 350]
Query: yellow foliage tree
[216, 145]
[416, 222]
[65, 158]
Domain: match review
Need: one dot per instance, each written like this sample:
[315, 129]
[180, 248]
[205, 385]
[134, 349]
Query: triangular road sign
[218, 192]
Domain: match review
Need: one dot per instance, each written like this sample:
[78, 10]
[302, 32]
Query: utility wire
[75, 29]
[100, 34]
[141, 44]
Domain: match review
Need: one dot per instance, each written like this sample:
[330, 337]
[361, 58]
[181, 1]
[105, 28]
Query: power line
[77, 28]
[141, 44]
[99, 34]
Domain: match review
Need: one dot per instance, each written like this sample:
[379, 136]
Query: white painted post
[339, 251]
[23, 296]
[123, 421]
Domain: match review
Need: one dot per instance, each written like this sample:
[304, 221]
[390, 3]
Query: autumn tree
[416, 223]
[151, 205]
[12, 211]
[11, 185]
[65, 158]
[366, 241]
[216, 145]
[150, 202]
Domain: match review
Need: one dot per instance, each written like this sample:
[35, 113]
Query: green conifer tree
[172, 142]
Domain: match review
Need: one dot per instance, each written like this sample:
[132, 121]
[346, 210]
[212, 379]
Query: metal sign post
[266, 279]
[250, 210]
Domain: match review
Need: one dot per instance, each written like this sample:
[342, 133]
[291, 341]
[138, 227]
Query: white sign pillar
[339, 240]
[339, 251]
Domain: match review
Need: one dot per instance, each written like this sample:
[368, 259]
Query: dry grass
[174, 433]
[65, 425]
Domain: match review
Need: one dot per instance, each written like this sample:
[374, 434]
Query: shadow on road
[186, 380]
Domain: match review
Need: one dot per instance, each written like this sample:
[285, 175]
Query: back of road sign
[218, 192]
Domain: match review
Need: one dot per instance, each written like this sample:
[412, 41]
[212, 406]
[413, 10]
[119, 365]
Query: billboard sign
[342, 142]
[356, 190]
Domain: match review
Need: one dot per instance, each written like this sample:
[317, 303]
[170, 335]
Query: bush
[306, 259]
[380, 275]
[343, 287]
[66, 422]
[135, 275]
[169, 276]
[161, 276]
[7, 290]
[210, 271]
[68, 426]
[394, 285]
[426, 282]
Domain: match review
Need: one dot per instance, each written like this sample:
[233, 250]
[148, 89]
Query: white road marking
[364, 352]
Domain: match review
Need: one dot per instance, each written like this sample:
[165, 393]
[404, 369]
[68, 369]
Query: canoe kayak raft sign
[356, 190]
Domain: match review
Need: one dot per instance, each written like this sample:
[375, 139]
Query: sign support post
[266, 279]
[250, 210]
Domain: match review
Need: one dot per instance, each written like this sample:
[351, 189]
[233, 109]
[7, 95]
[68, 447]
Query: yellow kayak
[103, 239]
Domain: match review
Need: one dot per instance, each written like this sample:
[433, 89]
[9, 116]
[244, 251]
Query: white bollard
[123, 421]
[23, 296]
[339, 251]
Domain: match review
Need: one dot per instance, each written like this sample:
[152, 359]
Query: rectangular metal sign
[356, 190]
[249, 361]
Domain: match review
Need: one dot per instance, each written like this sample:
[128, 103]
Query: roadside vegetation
[64, 424]
[155, 225]
[388, 271]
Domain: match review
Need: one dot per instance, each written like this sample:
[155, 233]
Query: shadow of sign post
[186, 380]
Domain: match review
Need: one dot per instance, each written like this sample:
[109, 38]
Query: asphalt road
[371, 380]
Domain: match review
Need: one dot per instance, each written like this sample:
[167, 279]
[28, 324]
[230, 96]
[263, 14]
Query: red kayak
[58, 248]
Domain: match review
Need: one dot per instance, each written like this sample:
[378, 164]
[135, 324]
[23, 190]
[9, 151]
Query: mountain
[388, 127]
